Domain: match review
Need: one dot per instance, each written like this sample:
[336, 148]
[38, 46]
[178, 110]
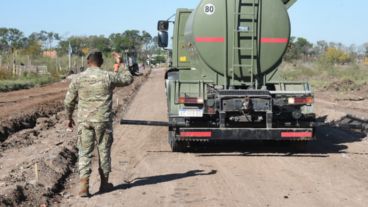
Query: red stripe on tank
[274, 40]
[210, 39]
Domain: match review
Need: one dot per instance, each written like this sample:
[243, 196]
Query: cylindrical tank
[238, 39]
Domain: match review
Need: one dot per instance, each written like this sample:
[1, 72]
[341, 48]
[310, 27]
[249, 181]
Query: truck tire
[176, 146]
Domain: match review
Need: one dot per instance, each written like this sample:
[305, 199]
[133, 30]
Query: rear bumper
[238, 134]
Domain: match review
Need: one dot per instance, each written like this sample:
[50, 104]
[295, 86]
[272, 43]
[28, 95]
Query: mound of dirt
[48, 177]
[343, 85]
[20, 109]
[27, 137]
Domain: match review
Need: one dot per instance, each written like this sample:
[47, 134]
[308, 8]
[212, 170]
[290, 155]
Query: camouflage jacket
[92, 90]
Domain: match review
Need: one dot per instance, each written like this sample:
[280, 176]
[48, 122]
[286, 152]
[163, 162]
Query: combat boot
[105, 186]
[84, 188]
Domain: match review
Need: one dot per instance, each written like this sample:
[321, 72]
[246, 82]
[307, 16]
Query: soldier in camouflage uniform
[92, 90]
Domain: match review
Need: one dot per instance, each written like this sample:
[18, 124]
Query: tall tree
[99, 42]
[322, 46]
[78, 43]
[303, 47]
[132, 39]
[11, 38]
[147, 44]
[146, 39]
[4, 39]
[51, 37]
[43, 37]
[291, 53]
[32, 48]
[117, 42]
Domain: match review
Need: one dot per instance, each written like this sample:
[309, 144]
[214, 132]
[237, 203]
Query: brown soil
[38, 154]
[20, 109]
[329, 172]
[343, 85]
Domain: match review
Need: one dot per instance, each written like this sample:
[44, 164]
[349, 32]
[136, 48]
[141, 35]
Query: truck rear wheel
[176, 146]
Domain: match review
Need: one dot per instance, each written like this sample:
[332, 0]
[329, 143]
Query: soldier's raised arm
[121, 79]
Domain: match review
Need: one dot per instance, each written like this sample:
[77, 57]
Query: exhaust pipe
[144, 123]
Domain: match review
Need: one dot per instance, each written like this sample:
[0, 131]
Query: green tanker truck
[224, 82]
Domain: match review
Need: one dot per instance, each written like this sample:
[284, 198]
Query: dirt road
[330, 172]
[20, 109]
[22, 100]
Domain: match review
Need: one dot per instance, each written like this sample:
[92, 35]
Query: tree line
[327, 52]
[12, 39]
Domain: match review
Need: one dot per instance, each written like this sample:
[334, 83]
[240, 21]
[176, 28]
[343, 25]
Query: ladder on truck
[245, 31]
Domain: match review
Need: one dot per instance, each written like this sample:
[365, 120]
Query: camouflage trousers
[89, 135]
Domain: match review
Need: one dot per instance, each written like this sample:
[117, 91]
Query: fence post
[13, 62]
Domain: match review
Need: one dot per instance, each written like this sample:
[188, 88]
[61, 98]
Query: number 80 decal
[209, 9]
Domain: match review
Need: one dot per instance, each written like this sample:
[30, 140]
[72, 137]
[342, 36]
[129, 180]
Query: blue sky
[331, 20]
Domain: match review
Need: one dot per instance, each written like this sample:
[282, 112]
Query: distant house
[366, 61]
[50, 53]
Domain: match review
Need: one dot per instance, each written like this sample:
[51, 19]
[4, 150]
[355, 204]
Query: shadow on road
[152, 180]
[330, 140]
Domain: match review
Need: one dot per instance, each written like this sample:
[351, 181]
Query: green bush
[322, 74]
[24, 83]
[5, 74]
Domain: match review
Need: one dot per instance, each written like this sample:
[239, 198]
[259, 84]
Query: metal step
[243, 48]
[242, 66]
[256, 4]
[244, 14]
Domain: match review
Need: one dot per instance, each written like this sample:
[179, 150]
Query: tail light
[190, 100]
[296, 134]
[301, 100]
[206, 134]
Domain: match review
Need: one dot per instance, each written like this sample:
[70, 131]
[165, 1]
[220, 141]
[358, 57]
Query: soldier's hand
[117, 57]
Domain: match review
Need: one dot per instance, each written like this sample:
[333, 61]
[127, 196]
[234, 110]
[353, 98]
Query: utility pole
[13, 62]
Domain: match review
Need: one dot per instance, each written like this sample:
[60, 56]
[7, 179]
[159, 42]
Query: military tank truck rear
[224, 83]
